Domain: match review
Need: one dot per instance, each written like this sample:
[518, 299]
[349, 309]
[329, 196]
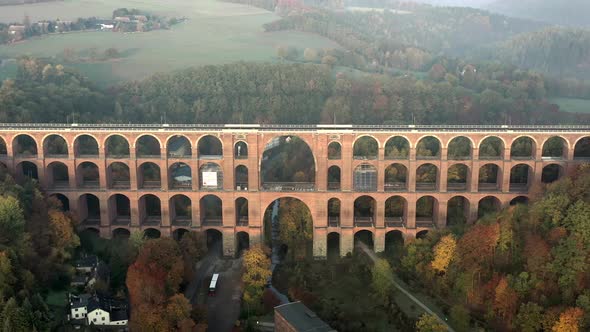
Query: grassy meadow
[215, 33]
[572, 105]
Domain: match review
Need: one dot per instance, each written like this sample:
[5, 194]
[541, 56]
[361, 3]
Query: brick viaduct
[160, 187]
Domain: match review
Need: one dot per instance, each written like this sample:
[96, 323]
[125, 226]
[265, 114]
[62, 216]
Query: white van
[213, 284]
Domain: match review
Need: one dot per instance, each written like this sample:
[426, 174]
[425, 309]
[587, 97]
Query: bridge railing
[288, 186]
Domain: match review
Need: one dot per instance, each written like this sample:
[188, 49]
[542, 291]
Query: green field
[572, 105]
[215, 33]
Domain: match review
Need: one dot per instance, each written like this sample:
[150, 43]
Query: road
[223, 309]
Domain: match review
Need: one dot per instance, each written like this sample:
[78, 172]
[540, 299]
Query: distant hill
[565, 12]
[21, 2]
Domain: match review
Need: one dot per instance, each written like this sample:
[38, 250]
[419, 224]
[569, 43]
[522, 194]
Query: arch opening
[491, 148]
[242, 242]
[55, 146]
[520, 178]
[487, 205]
[152, 233]
[61, 202]
[117, 147]
[519, 200]
[24, 146]
[426, 211]
[458, 177]
[459, 148]
[397, 148]
[179, 233]
[27, 170]
[555, 148]
[522, 148]
[58, 177]
[147, 146]
[365, 148]
[552, 173]
[149, 176]
[119, 176]
[334, 151]
[396, 178]
[180, 176]
[120, 209]
[179, 147]
[365, 208]
[422, 234]
[210, 177]
[89, 209]
[85, 146]
[210, 147]
[288, 226]
[88, 175]
[214, 241]
[334, 178]
[396, 209]
[582, 149]
[427, 178]
[241, 178]
[364, 238]
[458, 210]
[181, 212]
[490, 178]
[121, 233]
[394, 243]
[150, 209]
[211, 209]
[428, 148]
[3, 147]
[365, 178]
[242, 212]
[333, 244]
[241, 150]
[333, 212]
[288, 164]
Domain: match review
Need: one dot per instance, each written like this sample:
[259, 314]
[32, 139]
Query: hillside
[571, 12]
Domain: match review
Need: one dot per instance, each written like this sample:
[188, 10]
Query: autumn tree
[256, 266]
[382, 277]
[295, 226]
[444, 252]
[429, 323]
[569, 320]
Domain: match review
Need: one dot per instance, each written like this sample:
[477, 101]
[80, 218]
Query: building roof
[118, 315]
[301, 318]
[87, 261]
[80, 300]
[105, 303]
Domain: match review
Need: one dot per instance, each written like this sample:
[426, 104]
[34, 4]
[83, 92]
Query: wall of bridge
[259, 200]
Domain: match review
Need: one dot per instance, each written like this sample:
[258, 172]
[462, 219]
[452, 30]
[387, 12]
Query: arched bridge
[375, 180]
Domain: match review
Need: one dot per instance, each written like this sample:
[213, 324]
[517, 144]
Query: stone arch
[334, 151]
[366, 238]
[488, 204]
[242, 242]
[89, 209]
[27, 170]
[427, 177]
[61, 201]
[333, 245]
[93, 231]
[149, 176]
[150, 210]
[211, 209]
[422, 234]
[121, 233]
[117, 147]
[552, 173]
[88, 175]
[86, 146]
[365, 211]
[519, 200]
[119, 209]
[3, 147]
[523, 147]
[283, 203]
[334, 212]
[490, 178]
[210, 177]
[365, 147]
[241, 150]
[178, 146]
[147, 146]
[394, 242]
[491, 147]
[521, 177]
[365, 178]
[582, 149]
[118, 176]
[241, 178]
[179, 233]
[396, 211]
[55, 146]
[152, 233]
[458, 176]
[397, 147]
[555, 147]
[180, 176]
[181, 212]
[396, 178]
[428, 147]
[209, 147]
[241, 211]
[426, 211]
[288, 164]
[57, 175]
[458, 210]
[459, 148]
[214, 240]
[334, 178]
[24, 145]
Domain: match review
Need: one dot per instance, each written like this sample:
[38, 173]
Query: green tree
[429, 323]
[530, 317]
[382, 279]
[12, 221]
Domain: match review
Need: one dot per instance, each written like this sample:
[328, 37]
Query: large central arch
[287, 164]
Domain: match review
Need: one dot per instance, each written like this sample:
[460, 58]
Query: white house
[102, 311]
[78, 306]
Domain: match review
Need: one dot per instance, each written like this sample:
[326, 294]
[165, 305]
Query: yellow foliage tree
[256, 272]
[444, 251]
[569, 320]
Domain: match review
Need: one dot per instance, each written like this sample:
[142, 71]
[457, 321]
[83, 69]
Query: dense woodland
[37, 241]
